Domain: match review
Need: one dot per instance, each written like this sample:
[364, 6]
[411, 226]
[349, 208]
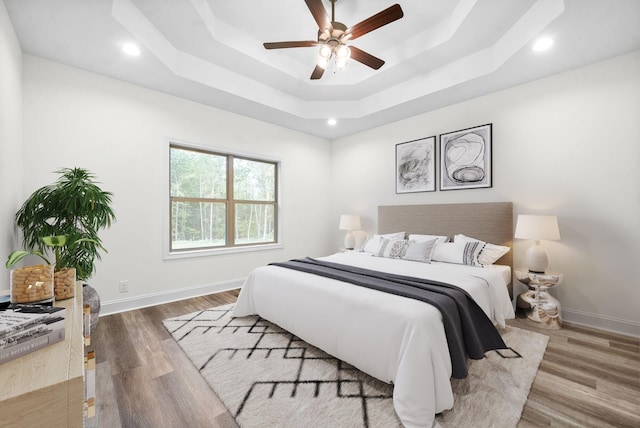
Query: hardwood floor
[588, 378]
[143, 377]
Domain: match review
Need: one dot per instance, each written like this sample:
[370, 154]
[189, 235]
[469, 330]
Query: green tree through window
[221, 200]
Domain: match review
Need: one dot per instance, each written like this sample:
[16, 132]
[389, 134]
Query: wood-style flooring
[588, 378]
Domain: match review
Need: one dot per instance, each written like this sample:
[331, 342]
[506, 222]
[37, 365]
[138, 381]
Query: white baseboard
[137, 302]
[615, 325]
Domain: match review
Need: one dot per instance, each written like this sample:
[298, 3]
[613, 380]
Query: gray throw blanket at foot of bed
[470, 333]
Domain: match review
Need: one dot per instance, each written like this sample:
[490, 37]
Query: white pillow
[407, 250]
[420, 251]
[373, 244]
[420, 238]
[393, 248]
[462, 253]
[395, 235]
[489, 253]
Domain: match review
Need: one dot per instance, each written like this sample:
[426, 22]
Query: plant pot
[64, 283]
[32, 284]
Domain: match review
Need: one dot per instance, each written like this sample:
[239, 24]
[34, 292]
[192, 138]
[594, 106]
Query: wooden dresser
[45, 388]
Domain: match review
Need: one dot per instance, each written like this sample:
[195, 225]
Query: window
[220, 200]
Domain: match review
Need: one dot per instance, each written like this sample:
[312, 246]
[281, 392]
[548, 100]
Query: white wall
[10, 138]
[118, 131]
[567, 145]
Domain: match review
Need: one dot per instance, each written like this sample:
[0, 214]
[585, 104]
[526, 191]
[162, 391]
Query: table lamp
[537, 227]
[349, 223]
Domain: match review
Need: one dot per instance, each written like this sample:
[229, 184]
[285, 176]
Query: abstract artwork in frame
[416, 166]
[465, 158]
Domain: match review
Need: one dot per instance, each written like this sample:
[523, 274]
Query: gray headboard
[491, 222]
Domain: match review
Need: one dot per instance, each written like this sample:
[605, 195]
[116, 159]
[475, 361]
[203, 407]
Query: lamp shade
[537, 227]
[349, 222]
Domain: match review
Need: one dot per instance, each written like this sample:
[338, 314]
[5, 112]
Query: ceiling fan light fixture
[323, 62]
[325, 52]
[343, 51]
[341, 63]
[333, 37]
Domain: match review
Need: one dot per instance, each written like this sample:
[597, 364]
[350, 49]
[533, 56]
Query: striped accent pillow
[462, 253]
[489, 254]
[471, 252]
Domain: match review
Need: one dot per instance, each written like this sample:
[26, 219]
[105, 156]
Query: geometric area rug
[267, 377]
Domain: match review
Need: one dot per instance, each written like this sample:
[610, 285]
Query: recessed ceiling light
[332, 122]
[131, 49]
[542, 44]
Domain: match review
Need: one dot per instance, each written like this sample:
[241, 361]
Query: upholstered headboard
[491, 222]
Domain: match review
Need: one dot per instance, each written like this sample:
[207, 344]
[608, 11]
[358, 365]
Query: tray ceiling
[441, 52]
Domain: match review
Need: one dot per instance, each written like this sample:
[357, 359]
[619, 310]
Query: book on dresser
[27, 328]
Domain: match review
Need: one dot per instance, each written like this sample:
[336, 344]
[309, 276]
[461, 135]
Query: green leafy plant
[16, 256]
[65, 217]
[59, 244]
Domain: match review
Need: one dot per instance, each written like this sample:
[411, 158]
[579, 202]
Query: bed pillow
[419, 238]
[395, 235]
[373, 244]
[489, 253]
[462, 253]
[407, 249]
[420, 251]
[393, 248]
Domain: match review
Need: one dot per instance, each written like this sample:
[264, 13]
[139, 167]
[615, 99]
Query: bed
[392, 338]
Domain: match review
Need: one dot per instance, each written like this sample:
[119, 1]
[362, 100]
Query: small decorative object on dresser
[542, 308]
[26, 328]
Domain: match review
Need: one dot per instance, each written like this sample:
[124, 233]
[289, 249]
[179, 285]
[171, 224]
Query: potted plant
[66, 217]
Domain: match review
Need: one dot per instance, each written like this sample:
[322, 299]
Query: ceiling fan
[333, 37]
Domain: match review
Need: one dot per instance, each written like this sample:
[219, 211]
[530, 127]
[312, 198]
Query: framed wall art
[416, 166]
[465, 158]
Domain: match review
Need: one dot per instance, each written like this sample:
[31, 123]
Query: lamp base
[349, 241]
[536, 258]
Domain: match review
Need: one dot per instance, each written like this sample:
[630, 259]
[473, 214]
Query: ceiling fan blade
[317, 73]
[296, 44]
[319, 14]
[374, 22]
[366, 58]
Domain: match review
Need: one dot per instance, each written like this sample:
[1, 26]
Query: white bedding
[392, 338]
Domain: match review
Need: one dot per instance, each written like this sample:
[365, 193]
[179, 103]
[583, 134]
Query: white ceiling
[210, 51]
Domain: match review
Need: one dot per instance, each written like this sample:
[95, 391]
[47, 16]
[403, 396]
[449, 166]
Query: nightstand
[541, 307]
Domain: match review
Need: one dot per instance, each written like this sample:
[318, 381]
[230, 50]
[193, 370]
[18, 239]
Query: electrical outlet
[124, 286]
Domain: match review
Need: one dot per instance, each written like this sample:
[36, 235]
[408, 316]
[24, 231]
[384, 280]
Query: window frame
[230, 246]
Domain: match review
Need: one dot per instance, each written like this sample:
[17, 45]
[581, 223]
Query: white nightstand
[542, 308]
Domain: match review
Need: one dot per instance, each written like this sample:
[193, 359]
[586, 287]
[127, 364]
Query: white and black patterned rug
[269, 378]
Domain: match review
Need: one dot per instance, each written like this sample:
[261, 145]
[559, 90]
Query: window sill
[177, 255]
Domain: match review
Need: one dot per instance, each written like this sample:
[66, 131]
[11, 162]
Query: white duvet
[392, 338]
